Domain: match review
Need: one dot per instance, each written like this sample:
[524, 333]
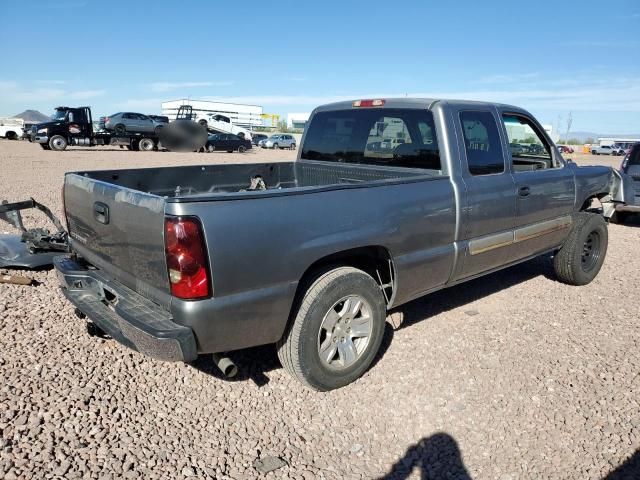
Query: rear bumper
[123, 314]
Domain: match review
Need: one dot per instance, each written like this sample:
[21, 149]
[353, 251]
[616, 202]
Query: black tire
[11, 136]
[298, 349]
[593, 152]
[581, 257]
[120, 129]
[621, 217]
[242, 149]
[275, 146]
[292, 146]
[45, 146]
[203, 123]
[58, 143]
[135, 145]
[146, 144]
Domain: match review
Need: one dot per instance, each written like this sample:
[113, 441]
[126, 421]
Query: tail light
[186, 258]
[378, 102]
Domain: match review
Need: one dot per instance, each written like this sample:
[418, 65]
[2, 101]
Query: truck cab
[68, 126]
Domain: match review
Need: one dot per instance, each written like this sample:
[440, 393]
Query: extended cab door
[488, 213]
[545, 186]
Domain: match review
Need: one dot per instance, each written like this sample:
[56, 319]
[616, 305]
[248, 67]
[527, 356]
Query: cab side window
[482, 143]
[528, 147]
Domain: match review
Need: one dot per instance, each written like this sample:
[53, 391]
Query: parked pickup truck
[607, 150]
[180, 261]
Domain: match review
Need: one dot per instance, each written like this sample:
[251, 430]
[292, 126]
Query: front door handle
[524, 191]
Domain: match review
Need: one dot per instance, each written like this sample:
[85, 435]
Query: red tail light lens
[378, 102]
[186, 258]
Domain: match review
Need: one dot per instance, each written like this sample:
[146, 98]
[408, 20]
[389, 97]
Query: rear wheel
[336, 330]
[293, 146]
[57, 143]
[11, 136]
[211, 148]
[242, 149]
[581, 257]
[120, 129]
[593, 152]
[275, 146]
[146, 144]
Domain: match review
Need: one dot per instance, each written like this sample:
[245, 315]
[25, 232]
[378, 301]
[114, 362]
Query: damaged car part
[34, 247]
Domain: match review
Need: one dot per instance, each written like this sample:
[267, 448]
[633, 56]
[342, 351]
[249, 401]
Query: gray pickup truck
[180, 261]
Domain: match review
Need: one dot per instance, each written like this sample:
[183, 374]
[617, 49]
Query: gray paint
[438, 230]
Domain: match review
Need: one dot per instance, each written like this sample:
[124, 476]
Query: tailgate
[120, 231]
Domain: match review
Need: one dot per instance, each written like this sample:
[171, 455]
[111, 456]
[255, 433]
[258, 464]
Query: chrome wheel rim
[345, 332]
[590, 251]
[58, 142]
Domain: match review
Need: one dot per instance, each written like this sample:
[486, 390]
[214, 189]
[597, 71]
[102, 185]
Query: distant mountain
[32, 116]
[582, 136]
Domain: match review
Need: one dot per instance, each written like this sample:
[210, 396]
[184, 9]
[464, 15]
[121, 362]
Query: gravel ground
[508, 377]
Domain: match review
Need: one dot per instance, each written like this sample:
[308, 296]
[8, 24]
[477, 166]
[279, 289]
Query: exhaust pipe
[226, 365]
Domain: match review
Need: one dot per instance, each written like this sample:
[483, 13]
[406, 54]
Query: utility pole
[569, 122]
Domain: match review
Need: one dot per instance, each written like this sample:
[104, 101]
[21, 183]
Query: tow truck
[73, 126]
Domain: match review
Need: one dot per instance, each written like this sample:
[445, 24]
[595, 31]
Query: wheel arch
[375, 260]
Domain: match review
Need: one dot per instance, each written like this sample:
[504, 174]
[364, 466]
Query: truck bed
[208, 181]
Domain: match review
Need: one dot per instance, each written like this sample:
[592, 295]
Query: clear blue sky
[549, 57]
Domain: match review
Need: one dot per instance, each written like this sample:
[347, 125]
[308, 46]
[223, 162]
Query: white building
[246, 116]
[297, 120]
[624, 142]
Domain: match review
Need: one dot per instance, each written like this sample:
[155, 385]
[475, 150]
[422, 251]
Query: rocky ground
[511, 376]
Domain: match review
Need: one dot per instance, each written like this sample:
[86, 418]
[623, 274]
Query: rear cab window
[483, 146]
[385, 137]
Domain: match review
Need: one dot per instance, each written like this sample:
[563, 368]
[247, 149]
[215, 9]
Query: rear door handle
[524, 191]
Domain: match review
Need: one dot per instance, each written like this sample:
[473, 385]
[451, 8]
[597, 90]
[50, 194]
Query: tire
[11, 136]
[211, 148]
[203, 123]
[120, 129]
[242, 149]
[45, 146]
[58, 143]
[593, 152]
[146, 144]
[621, 217]
[292, 146]
[135, 145]
[581, 257]
[275, 146]
[300, 348]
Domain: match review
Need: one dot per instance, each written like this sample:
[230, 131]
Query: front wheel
[146, 144]
[57, 143]
[336, 331]
[581, 257]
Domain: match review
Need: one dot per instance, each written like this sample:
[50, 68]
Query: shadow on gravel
[437, 456]
[471, 291]
[629, 470]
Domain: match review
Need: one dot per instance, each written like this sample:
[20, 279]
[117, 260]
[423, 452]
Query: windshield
[391, 137]
[59, 115]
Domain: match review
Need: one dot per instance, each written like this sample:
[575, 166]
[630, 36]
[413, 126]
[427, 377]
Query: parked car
[280, 141]
[311, 254]
[630, 166]
[228, 142]
[130, 122]
[607, 150]
[565, 149]
[159, 119]
[517, 149]
[256, 137]
[11, 131]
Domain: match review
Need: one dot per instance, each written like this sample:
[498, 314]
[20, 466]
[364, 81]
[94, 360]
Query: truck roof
[412, 102]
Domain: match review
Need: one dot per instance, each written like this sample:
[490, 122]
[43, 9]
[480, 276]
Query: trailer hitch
[34, 247]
